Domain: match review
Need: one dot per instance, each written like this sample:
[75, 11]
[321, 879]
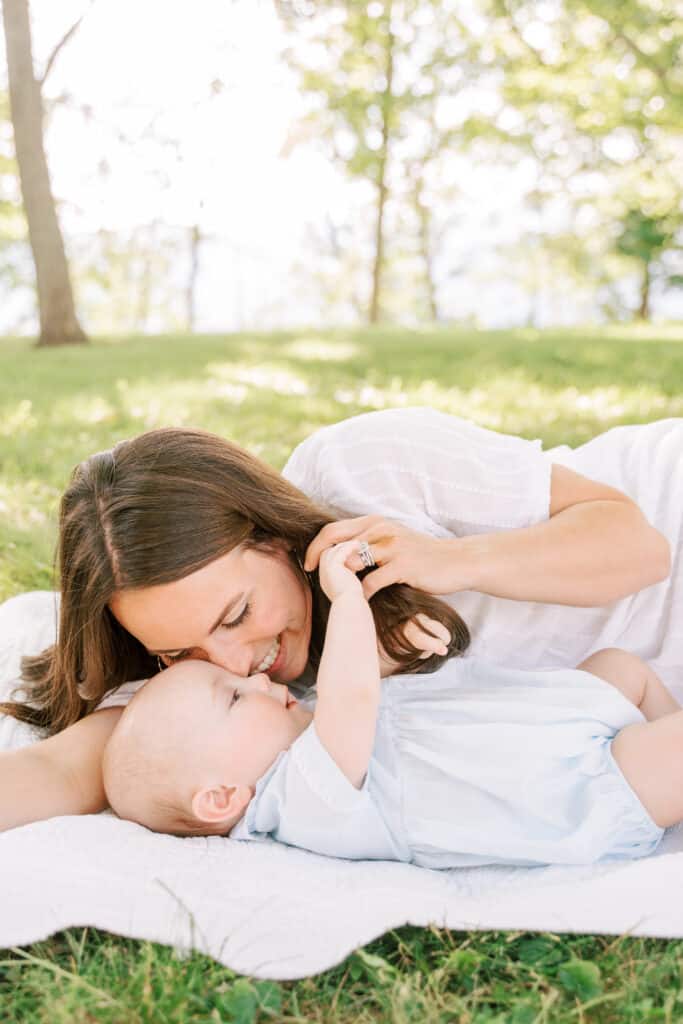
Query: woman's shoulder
[385, 424]
[364, 428]
[407, 439]
[348, 446]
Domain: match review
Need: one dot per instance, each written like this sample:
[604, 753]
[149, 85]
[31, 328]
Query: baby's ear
[217, 805]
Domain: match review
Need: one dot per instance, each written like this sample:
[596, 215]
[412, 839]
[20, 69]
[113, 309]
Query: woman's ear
[217, 805]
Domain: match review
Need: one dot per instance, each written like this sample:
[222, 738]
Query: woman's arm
[595, 548]
[59, 775]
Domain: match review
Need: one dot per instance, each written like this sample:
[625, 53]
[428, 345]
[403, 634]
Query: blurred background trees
[495, 162]
[58, 321]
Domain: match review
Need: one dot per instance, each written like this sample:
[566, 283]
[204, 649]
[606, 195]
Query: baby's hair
[141, 784]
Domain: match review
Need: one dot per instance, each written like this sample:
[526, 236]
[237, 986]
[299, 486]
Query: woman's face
[247, 611]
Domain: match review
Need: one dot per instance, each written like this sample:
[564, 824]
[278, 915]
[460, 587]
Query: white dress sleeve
[434, 472]
[119, 697]
[28, 624]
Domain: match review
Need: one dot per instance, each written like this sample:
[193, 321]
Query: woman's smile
[271, 657]
[196, 616]
[278, 662]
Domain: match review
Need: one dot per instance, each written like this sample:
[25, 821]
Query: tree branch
[60, 46]
[644, 58]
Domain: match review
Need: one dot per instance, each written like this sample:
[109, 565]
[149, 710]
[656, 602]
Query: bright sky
[135, 62]
[151, 64]
[141, 64]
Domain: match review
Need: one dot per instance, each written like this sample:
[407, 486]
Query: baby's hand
[335, 576]
[428, 635]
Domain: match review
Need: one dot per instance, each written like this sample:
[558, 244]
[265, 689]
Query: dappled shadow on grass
[269, 391]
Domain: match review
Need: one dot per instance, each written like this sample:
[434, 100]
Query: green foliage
[595, 103]
[581, 86]
[246, 1002]
[597, 89]
[376, 74]
[581, 978]
[603, 65]
[644, 238]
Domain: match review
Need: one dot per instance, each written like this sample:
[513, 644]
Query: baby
[475, 764]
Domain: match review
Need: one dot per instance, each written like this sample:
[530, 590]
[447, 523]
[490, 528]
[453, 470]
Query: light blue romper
[476, 764]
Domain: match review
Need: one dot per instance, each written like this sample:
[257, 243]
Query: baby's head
[188, 750]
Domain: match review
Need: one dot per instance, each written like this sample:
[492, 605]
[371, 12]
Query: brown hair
[152, 510]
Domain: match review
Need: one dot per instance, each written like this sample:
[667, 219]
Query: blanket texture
[276, 912]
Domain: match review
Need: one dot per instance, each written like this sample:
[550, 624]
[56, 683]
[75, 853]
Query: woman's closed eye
[242, 617]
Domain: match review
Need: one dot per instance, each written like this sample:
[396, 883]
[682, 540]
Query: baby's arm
[634, 678]
[59, 775]
[348, 682]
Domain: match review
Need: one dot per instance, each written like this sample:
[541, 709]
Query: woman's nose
[236, 658]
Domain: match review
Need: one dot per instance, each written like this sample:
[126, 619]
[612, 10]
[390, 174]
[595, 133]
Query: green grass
[268, 392]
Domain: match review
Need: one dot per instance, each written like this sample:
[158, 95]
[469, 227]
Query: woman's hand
[402, 555]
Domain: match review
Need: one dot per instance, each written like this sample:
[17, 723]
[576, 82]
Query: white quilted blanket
[273, 911]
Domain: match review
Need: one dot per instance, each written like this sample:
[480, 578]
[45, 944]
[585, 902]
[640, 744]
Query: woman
[178, 544]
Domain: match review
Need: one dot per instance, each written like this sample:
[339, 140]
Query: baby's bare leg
[650, 754]
[635, 679]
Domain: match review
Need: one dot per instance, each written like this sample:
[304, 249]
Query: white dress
[449, 478]
[476, 764]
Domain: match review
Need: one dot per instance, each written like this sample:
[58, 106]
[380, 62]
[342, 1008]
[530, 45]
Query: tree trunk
[143, 284]
[424, 221]
[382, 191]
[644, 310]
[195, 238]
[58, 322]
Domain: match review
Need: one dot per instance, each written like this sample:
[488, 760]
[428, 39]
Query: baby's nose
[255, 684]
[261, 682]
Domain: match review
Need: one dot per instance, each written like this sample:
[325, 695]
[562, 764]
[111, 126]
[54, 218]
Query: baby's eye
[244, 614]
[235, 697]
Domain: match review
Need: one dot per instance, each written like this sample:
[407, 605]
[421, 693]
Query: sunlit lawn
[268, 392]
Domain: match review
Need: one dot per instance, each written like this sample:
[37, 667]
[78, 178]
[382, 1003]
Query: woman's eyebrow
[226, 611]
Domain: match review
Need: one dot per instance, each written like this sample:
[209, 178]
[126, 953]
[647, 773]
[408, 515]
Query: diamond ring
[366, 556]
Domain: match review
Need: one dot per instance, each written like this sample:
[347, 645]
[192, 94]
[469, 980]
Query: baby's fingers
[428, 625]
[338, 554]
[418, 632]
[333, 534]
[335, 575]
